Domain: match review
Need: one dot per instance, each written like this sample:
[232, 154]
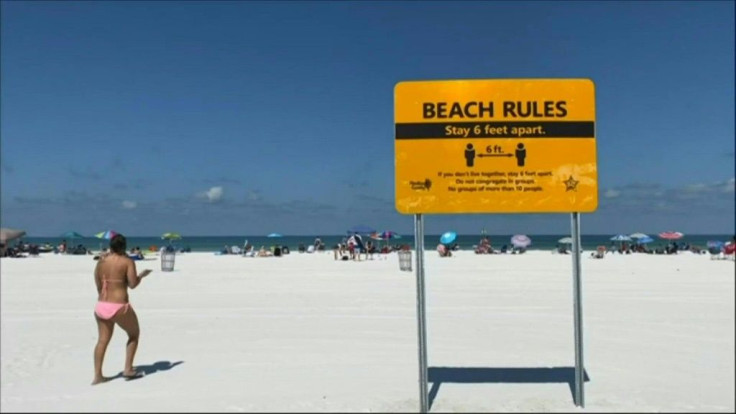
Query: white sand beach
[306, 333]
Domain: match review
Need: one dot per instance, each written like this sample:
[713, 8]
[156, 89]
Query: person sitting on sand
[484, 246]
[263, 252]
[136, 254]
[114, 274]
[443, 250]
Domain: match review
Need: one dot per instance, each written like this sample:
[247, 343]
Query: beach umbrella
[671, 235]
[72, 235]
[565, 240]
[107, 235]
[171, 236]
[621, 238]
[385, 235]
[274, 235]
[448, 237]
[638, 235]
[521, 240]
[645, 240]
[7, 235]
[717, 244]
[361, 229]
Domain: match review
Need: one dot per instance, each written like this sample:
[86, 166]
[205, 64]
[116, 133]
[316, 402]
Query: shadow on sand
[438, 375]
[147, 370]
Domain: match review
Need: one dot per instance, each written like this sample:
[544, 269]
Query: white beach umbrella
[621, 238]
[521, 240]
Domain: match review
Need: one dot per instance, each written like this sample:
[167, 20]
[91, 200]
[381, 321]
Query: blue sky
[232, 118]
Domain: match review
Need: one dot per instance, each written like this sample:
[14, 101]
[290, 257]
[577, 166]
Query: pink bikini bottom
[106, 310]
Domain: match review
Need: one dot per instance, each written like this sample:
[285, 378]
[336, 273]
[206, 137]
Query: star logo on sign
[571, 184]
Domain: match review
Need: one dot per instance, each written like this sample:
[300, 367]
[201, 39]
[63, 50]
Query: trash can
[167, 260]
[405, 260]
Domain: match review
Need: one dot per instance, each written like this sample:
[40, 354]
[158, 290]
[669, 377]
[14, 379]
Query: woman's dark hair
[118, 243]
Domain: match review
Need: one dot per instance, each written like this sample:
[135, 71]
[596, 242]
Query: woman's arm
[134, 279]
[98, 279]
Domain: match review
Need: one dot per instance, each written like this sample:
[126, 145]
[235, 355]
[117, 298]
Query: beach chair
[729, 251]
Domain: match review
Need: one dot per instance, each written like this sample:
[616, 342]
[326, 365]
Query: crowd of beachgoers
[355, 247]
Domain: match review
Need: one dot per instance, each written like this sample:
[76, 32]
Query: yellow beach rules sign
[495, 146]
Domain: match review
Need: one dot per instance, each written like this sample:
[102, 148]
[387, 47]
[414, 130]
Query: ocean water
[465, 242]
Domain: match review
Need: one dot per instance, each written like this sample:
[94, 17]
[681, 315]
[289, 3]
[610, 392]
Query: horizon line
[402, 234]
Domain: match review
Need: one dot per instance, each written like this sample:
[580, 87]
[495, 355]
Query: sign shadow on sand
[470, 375]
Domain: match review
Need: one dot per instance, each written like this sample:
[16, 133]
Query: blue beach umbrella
[448, 237]
[274, 235]
[645, 240]
[717, 244]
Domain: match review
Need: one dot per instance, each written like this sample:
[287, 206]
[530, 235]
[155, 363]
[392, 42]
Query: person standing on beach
[114, 273]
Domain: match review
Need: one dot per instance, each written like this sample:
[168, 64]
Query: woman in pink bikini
[115, 272]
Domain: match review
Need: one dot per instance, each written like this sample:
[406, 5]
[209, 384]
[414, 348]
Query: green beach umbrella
[171, 236]
[72, 235]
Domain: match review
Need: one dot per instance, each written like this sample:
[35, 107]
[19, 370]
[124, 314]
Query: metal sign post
[578, 305]
[421, 318]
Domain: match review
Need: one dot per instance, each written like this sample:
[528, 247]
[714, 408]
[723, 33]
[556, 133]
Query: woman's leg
[104, 328]
[129, 322]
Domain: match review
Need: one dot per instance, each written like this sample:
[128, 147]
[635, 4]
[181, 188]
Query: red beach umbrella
[671, 235]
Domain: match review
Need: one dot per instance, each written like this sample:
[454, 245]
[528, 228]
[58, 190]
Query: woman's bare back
[112, 274]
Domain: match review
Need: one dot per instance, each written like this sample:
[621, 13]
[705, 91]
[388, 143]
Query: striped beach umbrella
[521, 240]
[671, 235]
[107, 235]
